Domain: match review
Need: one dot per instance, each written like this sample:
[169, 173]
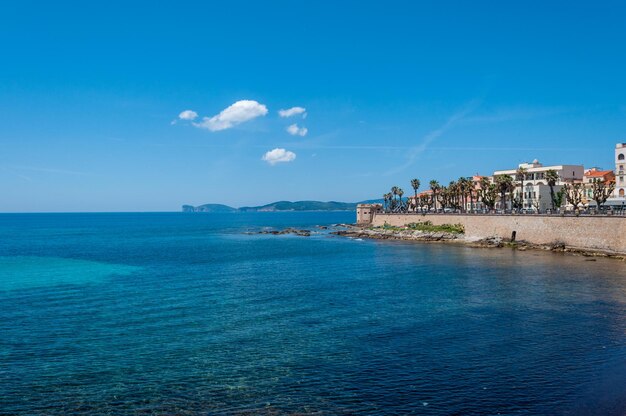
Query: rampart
[604, 233]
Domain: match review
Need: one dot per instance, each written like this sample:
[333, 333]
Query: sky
[146, 106]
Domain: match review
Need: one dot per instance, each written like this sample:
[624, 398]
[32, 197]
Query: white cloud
[237, 113]
[293, 111]
[188, 115]
[294, 130]
[278, 156]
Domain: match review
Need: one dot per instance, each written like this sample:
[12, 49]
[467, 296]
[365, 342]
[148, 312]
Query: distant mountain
[372, 201]
[302, 206]
[209, 208]
[280, 206]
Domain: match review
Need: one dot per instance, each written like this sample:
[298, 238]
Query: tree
[453, 195]
[488, 193]
[415, 184]
[574, 194]
[434, 186]
[427, 200]
[537, 203]
[464, 189]
[520, 175]
[388, 197]
[394, 191]
[443, 197]
[559, 196]
[400, 193]
[601, 191]
[552, 178]
[515, 202]
[503, 184]
[472, 192]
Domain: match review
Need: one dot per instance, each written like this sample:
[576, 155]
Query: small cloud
[294, 130]
[293, 111]
[188, 115]
[278, 156]
[237, 113]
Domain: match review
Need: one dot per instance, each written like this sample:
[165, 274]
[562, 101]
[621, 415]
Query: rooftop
[598, 173]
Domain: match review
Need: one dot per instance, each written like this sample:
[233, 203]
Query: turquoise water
[23, 272]
[187, 314]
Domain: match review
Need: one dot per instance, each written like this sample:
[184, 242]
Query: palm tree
[472, 192]
[511, 191]
[394, 191]
[434, 186]
[415, 184]
[482, 191]
[488, 193]
[552, 178]
[453, 190]
[521, 176]
[465, 190]
[400, 193]
[443, 197]
[387, 198]
[503, 183]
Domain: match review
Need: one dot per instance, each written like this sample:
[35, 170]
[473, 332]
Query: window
[620, 156]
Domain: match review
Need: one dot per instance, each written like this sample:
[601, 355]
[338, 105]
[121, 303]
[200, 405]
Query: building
[620, 162]
[536, 193]
[595, 175]
[423, 199]
[475, 204]
[365, 212]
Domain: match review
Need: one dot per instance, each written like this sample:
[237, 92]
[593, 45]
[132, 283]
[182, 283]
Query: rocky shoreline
[354, 231]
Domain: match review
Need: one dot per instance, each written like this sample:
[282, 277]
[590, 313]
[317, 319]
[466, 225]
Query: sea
[198, 313]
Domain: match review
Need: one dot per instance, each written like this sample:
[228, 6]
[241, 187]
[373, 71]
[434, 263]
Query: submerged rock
[294, 231]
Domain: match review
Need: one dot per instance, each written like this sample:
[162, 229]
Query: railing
[614, 214]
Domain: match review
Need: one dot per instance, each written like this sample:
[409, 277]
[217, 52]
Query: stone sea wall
[588, 233]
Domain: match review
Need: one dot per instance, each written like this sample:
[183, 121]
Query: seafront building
[620, 162]
[536, 193]
[595, 175]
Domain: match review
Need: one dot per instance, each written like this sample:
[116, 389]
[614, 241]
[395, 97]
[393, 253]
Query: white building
[618, 199]
[536, 195]
[620, 162]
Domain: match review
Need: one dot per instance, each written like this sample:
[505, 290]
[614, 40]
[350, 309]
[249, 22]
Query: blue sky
[89, 92]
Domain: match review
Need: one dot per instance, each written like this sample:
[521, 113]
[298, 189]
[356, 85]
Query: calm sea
[178, 313]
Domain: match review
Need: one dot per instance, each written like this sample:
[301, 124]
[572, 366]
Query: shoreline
[409, 235]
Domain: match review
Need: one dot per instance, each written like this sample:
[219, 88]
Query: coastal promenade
[597, 233]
